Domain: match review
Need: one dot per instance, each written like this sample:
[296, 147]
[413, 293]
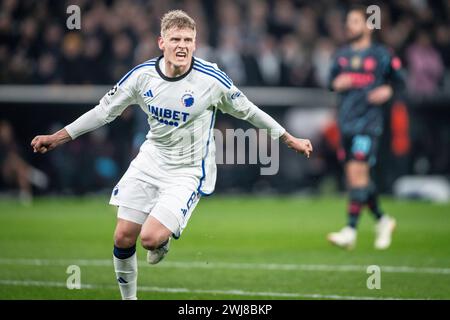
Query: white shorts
[171, 200]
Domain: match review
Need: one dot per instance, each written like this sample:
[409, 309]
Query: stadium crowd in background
[286, 43]
[277, 43]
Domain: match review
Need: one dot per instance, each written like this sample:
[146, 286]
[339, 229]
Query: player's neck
[361, 44]
[173, 71]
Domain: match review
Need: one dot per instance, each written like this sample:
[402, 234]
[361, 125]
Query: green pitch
[233, 248]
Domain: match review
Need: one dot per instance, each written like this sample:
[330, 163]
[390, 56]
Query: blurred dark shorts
[359, 147]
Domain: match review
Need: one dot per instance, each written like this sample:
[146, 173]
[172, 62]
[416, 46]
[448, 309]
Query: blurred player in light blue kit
[176, 164]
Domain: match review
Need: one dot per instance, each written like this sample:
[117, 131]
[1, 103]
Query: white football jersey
[181, 113]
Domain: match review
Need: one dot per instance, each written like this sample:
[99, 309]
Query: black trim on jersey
[162, 75]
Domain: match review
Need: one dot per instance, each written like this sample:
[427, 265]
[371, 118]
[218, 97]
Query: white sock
[126, 272]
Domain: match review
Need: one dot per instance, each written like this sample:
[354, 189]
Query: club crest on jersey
[187, 99]
[355, 62]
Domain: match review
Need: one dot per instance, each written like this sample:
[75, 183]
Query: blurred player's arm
[236, 103]
[110, 107]
[392, 71]
[338, 81]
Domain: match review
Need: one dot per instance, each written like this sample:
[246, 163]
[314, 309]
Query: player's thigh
[135, 198]
[134, 193]
[175, 206]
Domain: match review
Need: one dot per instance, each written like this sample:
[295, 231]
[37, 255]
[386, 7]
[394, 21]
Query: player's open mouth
[181, 54]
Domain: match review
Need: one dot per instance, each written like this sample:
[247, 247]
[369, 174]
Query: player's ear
[161, 43]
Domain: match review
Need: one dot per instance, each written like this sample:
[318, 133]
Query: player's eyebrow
[179, 38]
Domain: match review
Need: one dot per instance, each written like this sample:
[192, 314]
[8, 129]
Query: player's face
[178, 46]
[356, 26]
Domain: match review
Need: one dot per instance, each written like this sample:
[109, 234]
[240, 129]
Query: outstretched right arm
[45, 143]
[111, 105]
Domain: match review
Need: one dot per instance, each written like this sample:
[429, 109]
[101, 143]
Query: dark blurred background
[285, 44]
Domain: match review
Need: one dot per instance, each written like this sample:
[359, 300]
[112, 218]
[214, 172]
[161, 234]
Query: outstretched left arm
[303, 146]
[236, 103]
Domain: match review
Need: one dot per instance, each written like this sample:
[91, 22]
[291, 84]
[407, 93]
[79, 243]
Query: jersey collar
[162, 75]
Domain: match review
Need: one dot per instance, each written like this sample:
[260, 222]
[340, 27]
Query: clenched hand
[303, 146]
[45, 143]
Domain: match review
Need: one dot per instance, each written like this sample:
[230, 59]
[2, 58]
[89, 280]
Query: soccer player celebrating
[363, 73]
[175, 166]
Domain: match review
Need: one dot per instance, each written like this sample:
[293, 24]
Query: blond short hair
[176, 19]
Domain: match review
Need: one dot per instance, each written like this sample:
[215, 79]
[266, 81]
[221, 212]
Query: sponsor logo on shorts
[192, 199]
